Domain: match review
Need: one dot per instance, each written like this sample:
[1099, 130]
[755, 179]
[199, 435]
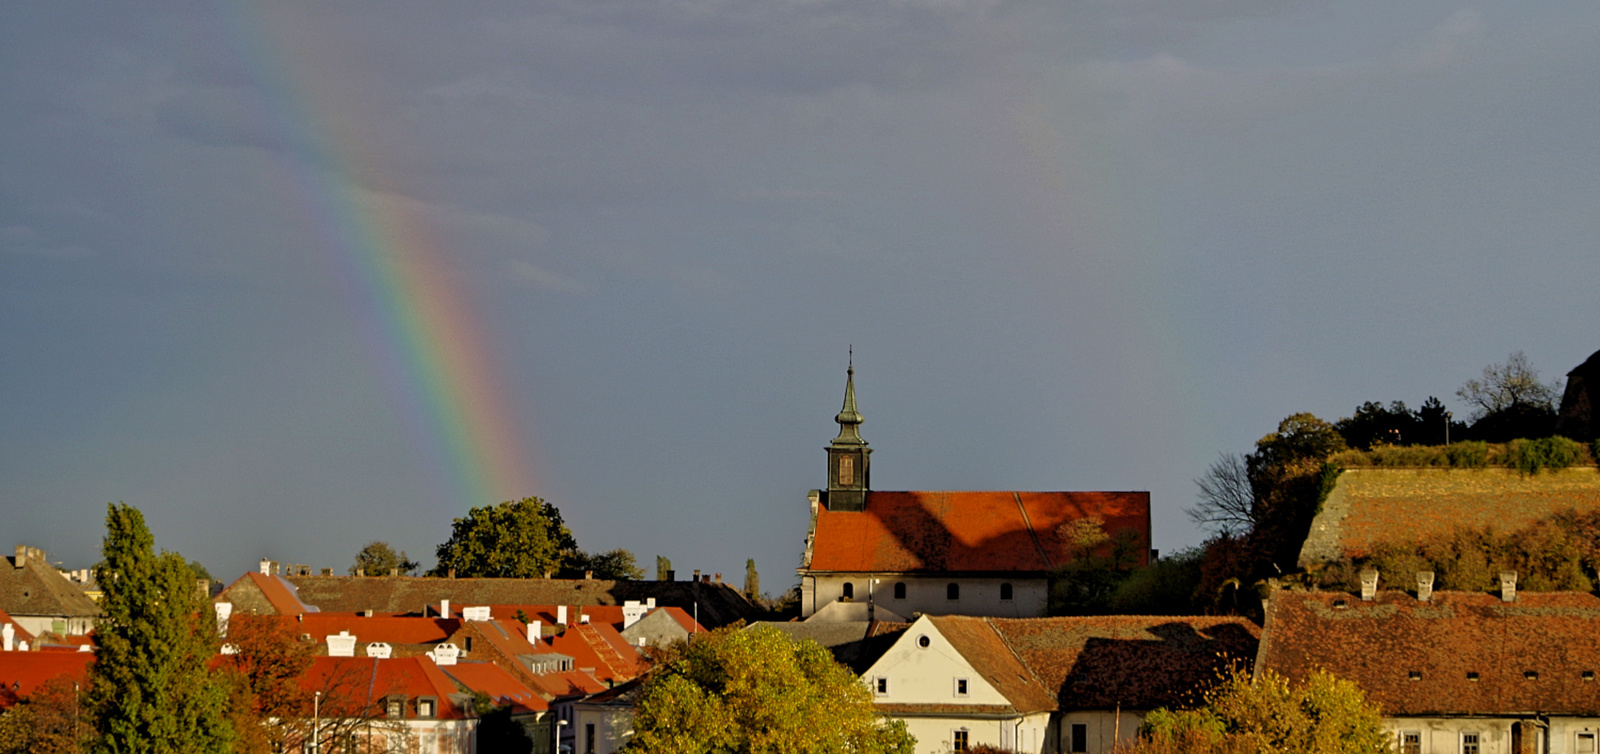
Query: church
[888, 556]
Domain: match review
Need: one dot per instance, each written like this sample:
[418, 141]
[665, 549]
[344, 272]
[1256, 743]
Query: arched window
[849, 591]
[1005, 591]
[899, 590]
[952, 591]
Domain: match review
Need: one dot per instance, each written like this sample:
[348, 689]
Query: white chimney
[481, 612]
[224, 611]
[266, 567]
[444, 608]
[561, 615]
[650, 603]
[1508, 586]
[343, 645]
[379, 650]
[632, 611]
[1424, 585]
[1369, 584]
[445, 654]
[584, 619]
[534, 629]
[8, 638]
[22, 646]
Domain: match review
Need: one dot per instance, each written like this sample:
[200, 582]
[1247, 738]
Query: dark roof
[719, 604]
[1138, 662]
[855, 644]
[973, 532]
[261, 594]
[1369, 506]
[36, 588]
[1379, 644]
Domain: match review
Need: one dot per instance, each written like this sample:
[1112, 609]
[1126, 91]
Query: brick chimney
[1508, 586]
[1369, 584]
[22, 556]
[1424, 585]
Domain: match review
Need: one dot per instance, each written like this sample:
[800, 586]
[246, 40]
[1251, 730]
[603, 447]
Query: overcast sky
[290, 277]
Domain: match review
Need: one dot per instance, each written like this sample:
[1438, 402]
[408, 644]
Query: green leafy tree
[615, 565]
[755, 691]
[1326, 715]
[378, 558]
[149, 687]
[663, 567]
[752, 580]
[516, 540]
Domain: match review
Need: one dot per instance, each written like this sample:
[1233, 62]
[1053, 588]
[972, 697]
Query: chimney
[444, 608]
[8, 637]
[650, 603]
[561, 615]
[367, 613]
[361, 573]
[445, 654]
[719, 579]
[696, 578]
[588, 575]
[584, 619]
[535, 628]
[327, 572]
[22, 555]
[672, 575]
[632, 611]
[394, 571]
[1369, 584]
[202, 589]
[379, 650]
[452, 573]
[1508, 586]
[266, 567]
[706, 579]
[343, 645]
[1424, 585]
[224, 611]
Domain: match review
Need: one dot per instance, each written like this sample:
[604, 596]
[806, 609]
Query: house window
[958, 740]
[922, 641]
[847, 471]
[1585, 744]
[899, 590]
[1080, 737]
[1415, 675]
[961, 687]
[952, 591]
[588, 738]
[425, 707]
[468, 644]
[1469, 743]
[396, 708]
[1472, 675]
[881, 685]
[849, 591]
[1005, 591]
[1410, 742]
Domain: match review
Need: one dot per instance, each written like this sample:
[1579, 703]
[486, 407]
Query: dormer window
[1532, 675]
[1472, 675]
[1415, 675]
[1340, 604]
[427, 707]
[395, 707]
[1588, 675]
[849, 590]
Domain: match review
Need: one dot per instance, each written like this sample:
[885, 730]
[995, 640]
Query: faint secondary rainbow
[391, 260]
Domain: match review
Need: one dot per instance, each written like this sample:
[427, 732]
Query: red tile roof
[282, 595]
[501, 686]
[22, 672]
[986, 651]
[568, 684]
[390, 629]
[1137, 662]
[908, 532]
[20, 634]
[358, 686]
[599, 646]
[1379, 644]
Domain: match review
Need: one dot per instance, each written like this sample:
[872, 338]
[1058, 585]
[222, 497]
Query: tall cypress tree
[149, 689]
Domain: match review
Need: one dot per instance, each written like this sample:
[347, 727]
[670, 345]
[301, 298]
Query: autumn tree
[150, 690]
[1509, 401]
[379, 558]
[268, 662]
[519, 540]
[663, 567]
[755, 691]
[47, 721]
[1325, 715]
[752, 580]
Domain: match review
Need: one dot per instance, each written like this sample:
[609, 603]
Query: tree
[378, 558]
[1226, 504]
[755, 691]
[514, 540]
[1097, 565]
[46, 722]
[149, 687]
[1326, 715]
[663, 567]
[615, 565]
[1508, 386]
[752, 580]
[268, 662]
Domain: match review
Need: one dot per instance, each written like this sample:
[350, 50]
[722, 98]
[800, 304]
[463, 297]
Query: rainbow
[391, 262]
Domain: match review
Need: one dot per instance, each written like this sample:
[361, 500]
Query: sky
[290, 277]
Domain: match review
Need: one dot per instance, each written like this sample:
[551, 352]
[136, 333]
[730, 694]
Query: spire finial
[849, 418]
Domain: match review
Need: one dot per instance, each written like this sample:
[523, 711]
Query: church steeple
[848, 454]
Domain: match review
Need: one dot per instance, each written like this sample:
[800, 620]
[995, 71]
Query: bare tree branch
[1226, 503]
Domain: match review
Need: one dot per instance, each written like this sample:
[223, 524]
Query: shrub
[1469, 454]
[1532, 456]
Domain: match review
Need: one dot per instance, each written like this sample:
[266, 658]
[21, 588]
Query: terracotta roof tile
[22, 672]
[359, 685]
[1132, 661]
[1379, 644]
[908, 532]
[501, 686]
[986, 651]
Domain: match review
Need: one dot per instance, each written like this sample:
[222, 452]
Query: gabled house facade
[888, 556]
[40, 599]
[1453, 672]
